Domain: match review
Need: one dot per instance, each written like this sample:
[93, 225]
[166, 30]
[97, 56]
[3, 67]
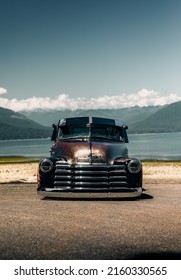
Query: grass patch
[161, 163]
[18, 159]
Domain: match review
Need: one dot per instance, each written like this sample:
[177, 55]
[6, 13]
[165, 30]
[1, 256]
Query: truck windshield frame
[89, 132]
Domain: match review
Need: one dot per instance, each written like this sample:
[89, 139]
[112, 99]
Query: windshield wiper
[102, 137]
[84, 138]
[80, 138]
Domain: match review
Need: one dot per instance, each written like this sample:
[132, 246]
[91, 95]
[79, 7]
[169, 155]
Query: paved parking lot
[35, 228]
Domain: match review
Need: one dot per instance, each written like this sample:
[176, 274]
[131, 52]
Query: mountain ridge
[17, 126]
[148, 119]
[124, 114]
[37, 124]
[166, 119]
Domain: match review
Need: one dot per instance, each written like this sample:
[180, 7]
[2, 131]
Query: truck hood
[90, 152]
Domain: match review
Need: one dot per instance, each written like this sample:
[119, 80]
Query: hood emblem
[87, 156]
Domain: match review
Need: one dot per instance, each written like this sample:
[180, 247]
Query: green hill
[16, 126]
[166, 119]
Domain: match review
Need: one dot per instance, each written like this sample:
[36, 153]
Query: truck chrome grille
[74, 177]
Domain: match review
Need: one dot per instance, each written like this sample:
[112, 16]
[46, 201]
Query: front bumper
[96, 193]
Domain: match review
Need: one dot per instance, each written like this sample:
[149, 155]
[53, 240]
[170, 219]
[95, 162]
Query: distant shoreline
[18, 159]
[150, 147]
[23, 159]
[129, 134]
[24, 139]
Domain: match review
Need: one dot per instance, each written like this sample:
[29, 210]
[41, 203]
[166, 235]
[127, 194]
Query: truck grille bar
[72, 177]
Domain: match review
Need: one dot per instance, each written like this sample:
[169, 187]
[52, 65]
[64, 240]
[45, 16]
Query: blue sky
[58, 54]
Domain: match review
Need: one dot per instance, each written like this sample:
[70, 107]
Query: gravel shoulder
[153, 172]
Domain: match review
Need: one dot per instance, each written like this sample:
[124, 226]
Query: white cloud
[3, 90]
[142, 98]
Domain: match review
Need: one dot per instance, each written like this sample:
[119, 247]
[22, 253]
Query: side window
[114, 133]
[123, 134]
[65, 130]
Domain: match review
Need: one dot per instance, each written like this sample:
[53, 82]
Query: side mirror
[54, 133]
[124, 133]
[121, 140]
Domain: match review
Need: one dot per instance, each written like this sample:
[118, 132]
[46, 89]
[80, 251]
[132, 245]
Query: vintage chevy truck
[89, 157]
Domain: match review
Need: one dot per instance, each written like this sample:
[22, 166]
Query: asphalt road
[36, 228]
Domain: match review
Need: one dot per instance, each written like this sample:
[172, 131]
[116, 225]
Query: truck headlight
[46, 165]
[134, 166]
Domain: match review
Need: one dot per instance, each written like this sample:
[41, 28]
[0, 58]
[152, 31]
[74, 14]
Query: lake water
[158, 146]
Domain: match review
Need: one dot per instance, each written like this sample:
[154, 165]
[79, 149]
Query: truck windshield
[95, 132]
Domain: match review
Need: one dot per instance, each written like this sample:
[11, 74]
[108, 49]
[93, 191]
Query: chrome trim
[84, 184]
[46, 160]
[100, 193]
[90, 175]
[133, 169]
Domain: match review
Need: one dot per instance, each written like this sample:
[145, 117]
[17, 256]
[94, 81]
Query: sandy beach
[18, 172]
[153, 172]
